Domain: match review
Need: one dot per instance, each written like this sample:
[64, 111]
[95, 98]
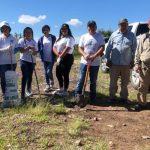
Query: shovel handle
[86, 78]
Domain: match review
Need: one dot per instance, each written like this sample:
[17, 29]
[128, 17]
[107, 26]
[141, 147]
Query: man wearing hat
[142, 65]
[120, 57]
[7, 56]
[91, 47]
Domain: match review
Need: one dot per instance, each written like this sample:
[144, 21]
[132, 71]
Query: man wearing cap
[120, 54]
[7, 56]
[142, 65]
[91, 47]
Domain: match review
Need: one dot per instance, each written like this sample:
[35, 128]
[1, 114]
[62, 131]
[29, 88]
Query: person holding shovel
[28, 49]
[91, 47]
[142, 66]
[8, 60]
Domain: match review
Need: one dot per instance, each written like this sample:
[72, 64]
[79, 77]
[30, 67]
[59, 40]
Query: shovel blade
[81, 101]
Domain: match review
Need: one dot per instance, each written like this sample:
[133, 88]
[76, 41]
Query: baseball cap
[91, 22]
[4, 23]
[65, 25]
[123, 20]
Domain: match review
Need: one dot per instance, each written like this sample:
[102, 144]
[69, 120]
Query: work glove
[58, 60]
[30, 51]
[137, 68]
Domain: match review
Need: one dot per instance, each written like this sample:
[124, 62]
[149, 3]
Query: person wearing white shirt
[91, 47]
[8, 60]
[28, 48]
[45, 47]
[63, 49]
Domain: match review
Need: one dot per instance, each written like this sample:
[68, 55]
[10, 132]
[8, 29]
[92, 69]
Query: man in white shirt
[91, 47]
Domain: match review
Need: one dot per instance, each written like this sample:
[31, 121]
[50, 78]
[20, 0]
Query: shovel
[80, 99]
[36, 78]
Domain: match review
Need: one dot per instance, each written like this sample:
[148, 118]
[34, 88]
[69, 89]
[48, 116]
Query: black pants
[3, 69]
[63, 70]
[27, 71]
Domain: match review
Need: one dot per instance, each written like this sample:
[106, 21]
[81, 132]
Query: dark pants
[93, 78]
[48, 67]
[3, 69]
[27, 71]
[63, 70]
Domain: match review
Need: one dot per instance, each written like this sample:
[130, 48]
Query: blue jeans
[48, 68]
[27, 71]
[3, 69]
[93, 79]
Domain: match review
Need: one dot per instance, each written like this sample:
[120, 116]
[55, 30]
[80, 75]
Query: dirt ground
[122, 128]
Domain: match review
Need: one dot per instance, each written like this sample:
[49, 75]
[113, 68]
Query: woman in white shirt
[28, 48]
[8, 60]
[63, 49]
[45, 47]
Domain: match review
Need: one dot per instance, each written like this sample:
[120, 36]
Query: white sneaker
[28, 93]
[47, 89]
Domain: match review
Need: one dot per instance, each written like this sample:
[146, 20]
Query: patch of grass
[41, 118]
[3, 142]
[44, 142]
[76, 126]
[40, 108]
[59, 109]
[100, 146]
[51, 131]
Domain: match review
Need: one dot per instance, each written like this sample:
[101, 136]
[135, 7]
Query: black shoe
[139, 107]
[123, 101]
[23, 100]
[112, 101]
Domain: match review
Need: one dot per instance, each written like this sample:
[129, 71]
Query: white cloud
[27, 19]
[74, 22]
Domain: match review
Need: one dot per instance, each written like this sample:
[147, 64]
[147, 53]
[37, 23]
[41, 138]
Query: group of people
[122, 53]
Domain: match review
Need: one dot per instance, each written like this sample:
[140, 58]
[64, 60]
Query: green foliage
[75, 52]
[18, 36]
[105, 33]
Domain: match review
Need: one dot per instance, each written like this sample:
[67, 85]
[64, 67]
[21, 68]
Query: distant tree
[18, 36]
[76, 53]
[105, 33]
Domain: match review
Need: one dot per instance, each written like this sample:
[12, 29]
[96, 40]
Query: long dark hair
[69, 31]
[27, 28]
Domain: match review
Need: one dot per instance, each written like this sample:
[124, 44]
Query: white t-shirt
[65, 42]
[91, 43]
[5, 57]
[27, 56]
[47, 45]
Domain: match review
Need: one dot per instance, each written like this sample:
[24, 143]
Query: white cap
[4, 23]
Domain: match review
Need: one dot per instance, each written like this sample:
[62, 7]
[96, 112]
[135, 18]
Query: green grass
[76, 126]
[59, 109]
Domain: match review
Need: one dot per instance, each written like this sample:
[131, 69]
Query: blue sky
[36, 13]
